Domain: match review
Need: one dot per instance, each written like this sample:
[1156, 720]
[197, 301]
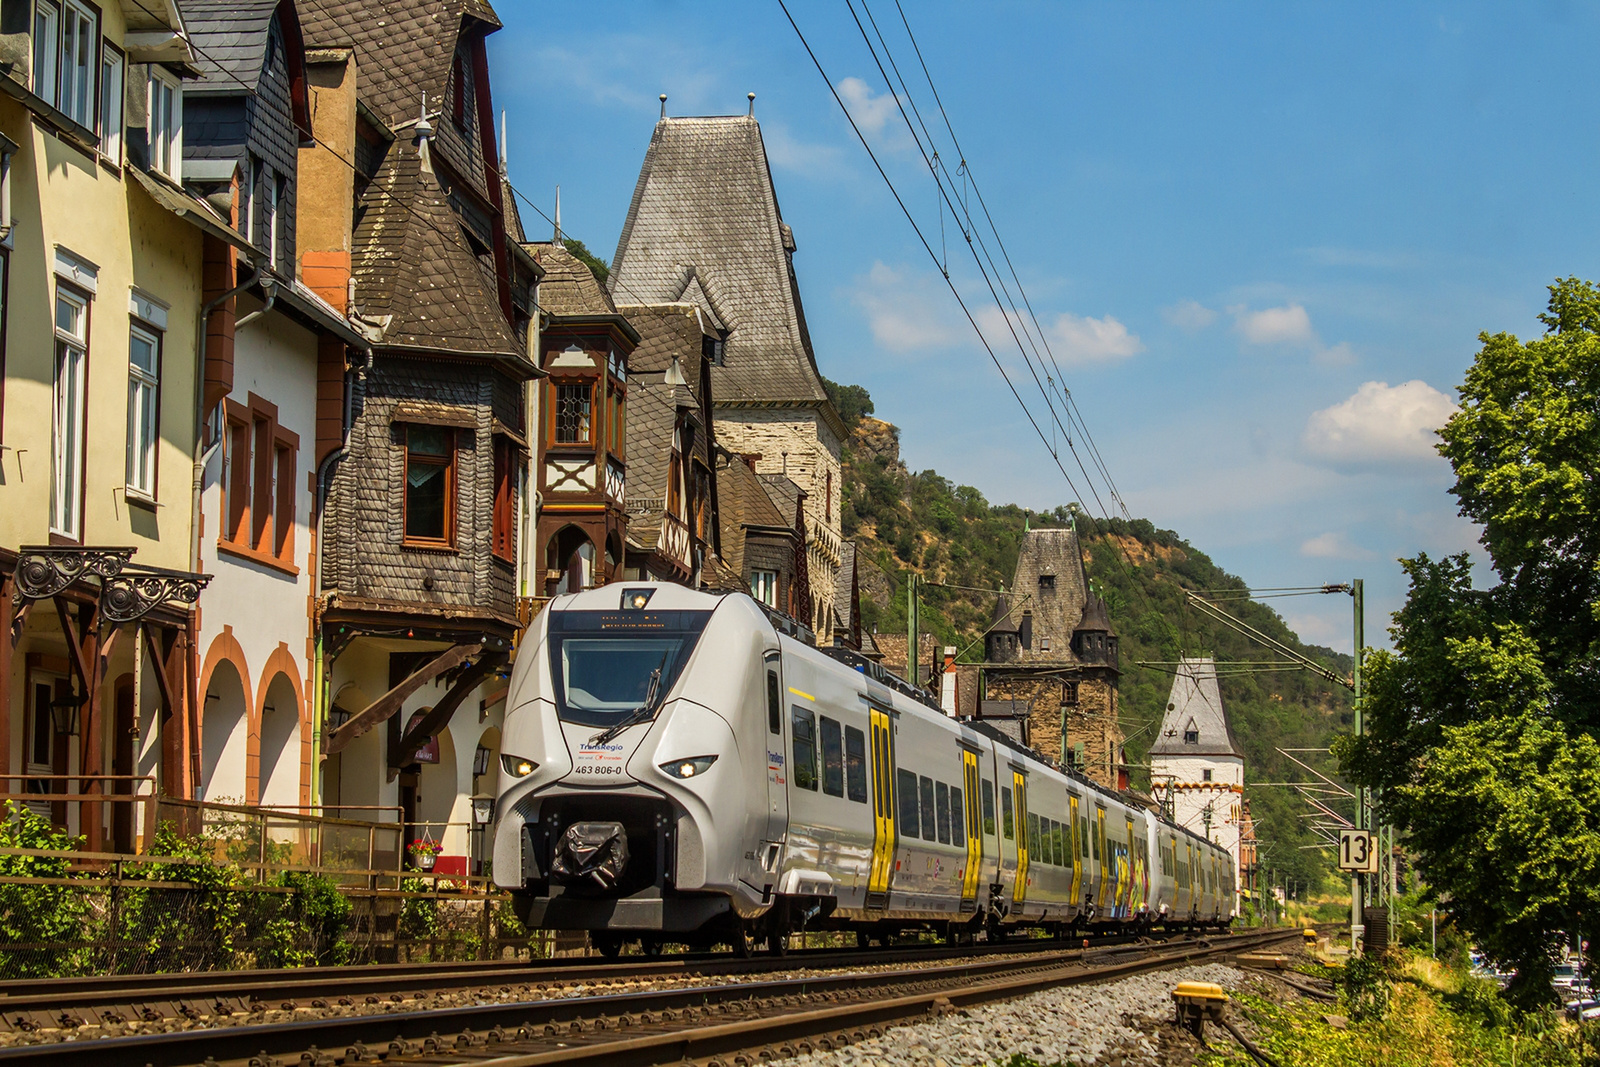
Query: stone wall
[797, 442]
[1092, 722]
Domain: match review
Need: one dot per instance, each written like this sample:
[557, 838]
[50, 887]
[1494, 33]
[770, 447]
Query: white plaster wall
[224, 729]
[1192, 795]
[280, 745]
[277, 360]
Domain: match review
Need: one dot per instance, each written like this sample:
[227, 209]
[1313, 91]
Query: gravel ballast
[1115, 1023]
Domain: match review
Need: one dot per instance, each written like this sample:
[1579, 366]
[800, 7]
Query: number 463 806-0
[1358, 851]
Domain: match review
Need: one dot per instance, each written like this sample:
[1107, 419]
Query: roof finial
[557, 220]
[752, 98]
[663, 105]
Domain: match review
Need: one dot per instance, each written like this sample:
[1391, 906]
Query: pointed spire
[752, 98]
[663, 105]
[503, 142]
[557, 237]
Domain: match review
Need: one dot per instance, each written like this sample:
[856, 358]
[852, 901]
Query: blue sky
[1261, 239]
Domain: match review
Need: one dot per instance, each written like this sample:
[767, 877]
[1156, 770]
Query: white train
[675, 769]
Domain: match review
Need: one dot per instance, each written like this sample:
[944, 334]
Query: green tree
[1481, 719]
[852, 402]
[596, 265]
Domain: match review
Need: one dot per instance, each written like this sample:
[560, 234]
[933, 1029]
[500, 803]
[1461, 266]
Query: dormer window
[1047, 585]
[712, 349]
[464, 98]
[1191, 734]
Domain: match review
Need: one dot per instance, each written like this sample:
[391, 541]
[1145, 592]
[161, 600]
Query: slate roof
[742, 503]
[230, 42]
[784, 494]
[843, 583]
[652, 414]
[1056, 613]
[402, 46]
[704, 226]
[569, 287]
[1196, 698]
[411, 260]
[665, 331]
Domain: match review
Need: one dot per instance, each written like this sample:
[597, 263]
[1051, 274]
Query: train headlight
[517, 767]
[692, 767]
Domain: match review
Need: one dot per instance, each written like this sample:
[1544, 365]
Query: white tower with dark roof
[1196, 760]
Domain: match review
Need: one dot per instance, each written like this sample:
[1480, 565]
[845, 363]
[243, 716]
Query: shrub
[45, 921]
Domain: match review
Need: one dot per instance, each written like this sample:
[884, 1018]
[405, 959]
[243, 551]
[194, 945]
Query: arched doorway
[572, 554]
[223, 735]
[279, 781]
[436, 806]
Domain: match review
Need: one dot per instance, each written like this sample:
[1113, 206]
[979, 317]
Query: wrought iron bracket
[136, 591]
[43, 571]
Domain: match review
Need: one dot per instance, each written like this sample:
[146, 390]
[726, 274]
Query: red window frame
[448, 461]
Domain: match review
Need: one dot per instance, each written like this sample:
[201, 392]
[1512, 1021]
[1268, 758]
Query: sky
[1261, 240]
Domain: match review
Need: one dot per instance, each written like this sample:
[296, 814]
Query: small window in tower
[1191, 734]
[1205, 775]
[1044, 644]
[1047, 584]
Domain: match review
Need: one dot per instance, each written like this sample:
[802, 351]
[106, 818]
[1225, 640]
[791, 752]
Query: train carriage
[674, 768]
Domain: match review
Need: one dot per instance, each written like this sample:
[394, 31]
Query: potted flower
[424, 853]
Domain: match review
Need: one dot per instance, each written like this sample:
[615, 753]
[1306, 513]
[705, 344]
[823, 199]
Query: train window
[1095, 840]
[1033, 834]
[941, 811]
[804, 725]
[774, 704]
[1047, 848]
[1083, 835]
[855, 764]
[958, 817]
[988, 808]
[908, 804]
[1006, 826]
[1057, 845]
[930, 821]
[832, 758]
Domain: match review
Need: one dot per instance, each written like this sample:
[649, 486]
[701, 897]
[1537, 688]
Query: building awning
[194, 212]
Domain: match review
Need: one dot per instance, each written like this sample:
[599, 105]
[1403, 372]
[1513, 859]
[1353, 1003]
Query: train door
[884, 833]
[1075, 843]
[1019, 803]
[974, 867]
[1130, 858]
[777, 761]
[1103, 849]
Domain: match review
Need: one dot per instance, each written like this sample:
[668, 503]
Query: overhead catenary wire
[895, 192]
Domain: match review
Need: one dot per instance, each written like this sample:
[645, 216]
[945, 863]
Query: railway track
[778, 1015]
[194, 997]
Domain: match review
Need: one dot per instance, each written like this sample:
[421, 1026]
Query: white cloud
[1090, 340]
[1189, 315]
[1340, 355]
[800, 157]
[1075, 339]
[1288, 325]
[1380, 424]
[872, 111]
[1334, 545]
[904, 310]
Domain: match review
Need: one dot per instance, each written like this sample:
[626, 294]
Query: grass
[1436, 1016]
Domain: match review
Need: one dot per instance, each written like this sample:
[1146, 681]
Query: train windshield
[602, 661]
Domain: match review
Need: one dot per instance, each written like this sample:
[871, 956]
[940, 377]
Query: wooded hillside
[906, 522]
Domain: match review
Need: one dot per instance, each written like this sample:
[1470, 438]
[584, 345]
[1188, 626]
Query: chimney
[326, 202]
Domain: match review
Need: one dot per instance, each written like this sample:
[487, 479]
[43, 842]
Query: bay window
[430, 491]
[572, 413]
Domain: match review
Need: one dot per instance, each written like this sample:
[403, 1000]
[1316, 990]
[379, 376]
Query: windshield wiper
[637, 715]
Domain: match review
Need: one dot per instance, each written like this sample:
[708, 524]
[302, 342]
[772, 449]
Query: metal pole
[1357, 919]
[911, 628]
[1433, 917]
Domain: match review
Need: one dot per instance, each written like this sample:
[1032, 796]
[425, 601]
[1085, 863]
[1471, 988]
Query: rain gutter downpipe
[319, 681]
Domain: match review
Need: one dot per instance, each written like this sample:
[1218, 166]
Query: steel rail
[28, 1005]
[415, 1032]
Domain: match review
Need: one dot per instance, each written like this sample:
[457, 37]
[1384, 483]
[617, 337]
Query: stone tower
[1195, 760]
[1050, 655]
